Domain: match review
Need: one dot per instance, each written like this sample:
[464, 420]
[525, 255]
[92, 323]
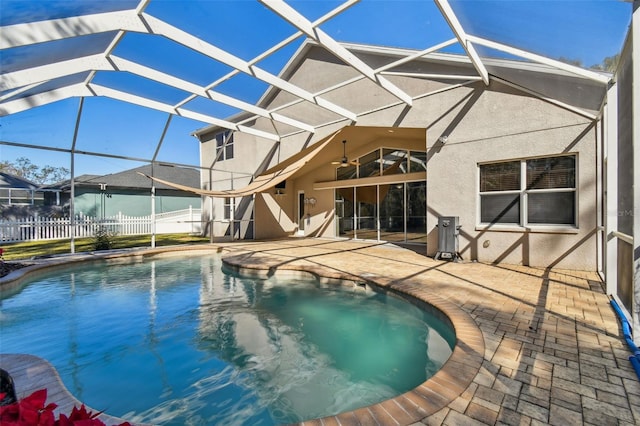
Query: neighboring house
[514, 160]
[128, 192]
[16, 190]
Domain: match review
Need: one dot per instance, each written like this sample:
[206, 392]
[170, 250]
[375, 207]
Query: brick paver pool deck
[536, 346]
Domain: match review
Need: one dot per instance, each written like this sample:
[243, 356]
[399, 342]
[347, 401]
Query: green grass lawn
[29, 249]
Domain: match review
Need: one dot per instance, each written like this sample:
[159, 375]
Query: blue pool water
[178, 341]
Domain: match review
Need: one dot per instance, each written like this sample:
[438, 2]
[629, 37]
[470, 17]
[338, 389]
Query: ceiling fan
[344, 161]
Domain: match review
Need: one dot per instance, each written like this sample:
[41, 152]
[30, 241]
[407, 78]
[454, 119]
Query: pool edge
[440, 390]
[32, 373]
[450, 382]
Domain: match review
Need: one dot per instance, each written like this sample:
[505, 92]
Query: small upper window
[369, 165]
[394, 161]
[224, 145]
[384, 161]
[417, 161]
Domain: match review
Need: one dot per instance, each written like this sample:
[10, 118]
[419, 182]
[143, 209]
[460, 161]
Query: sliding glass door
[367, 212]
[416, 212]
[344, 212]
[392, 217]
[393, 212]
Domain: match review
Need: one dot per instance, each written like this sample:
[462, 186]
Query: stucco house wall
[482, 124]
[128, 192]
[130, 202]
[502, 124]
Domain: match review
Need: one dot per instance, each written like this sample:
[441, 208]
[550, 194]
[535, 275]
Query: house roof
[133, 179]
[580, 92]
[9, 181]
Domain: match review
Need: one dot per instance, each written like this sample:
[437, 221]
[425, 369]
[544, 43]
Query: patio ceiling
[210, 68]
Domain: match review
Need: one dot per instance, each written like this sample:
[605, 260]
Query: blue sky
[584, 30]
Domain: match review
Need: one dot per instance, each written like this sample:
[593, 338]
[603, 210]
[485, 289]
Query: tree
[50, 174]
[23, 168]
[575, 62]
[609, 64]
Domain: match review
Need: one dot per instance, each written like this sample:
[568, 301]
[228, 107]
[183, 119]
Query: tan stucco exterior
[482, 124]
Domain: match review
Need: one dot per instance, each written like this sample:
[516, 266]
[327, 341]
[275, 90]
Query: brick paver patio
[553, 349]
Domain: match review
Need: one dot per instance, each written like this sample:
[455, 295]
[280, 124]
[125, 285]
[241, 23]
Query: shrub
[103, 239]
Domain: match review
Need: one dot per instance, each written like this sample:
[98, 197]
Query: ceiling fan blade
[345, 161]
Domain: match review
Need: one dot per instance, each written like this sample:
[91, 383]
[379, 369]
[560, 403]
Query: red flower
[80, 417]
[31, 411]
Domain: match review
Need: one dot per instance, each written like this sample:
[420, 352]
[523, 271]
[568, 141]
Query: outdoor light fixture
[311, 201]
[280, 187]
[443, 139]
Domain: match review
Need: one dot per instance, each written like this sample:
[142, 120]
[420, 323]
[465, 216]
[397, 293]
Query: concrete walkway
[535, 346]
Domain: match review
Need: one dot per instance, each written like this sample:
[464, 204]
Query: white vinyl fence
[54, 228]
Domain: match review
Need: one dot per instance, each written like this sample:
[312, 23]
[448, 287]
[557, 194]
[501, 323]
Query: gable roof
[9, 181]
[132, 179]
[583, 92]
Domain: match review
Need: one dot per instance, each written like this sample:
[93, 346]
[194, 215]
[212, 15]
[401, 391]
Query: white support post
[232, 213]
[72, 213]
[160, 106]
[153, 183]
[463, 39]
[44, 98]
[191, 218]
[24, 34]
[600, 235]
[592, 75]
[635, 135]
[611, 178]
[307, 27]
[211, 236]
[153, 209]
[377, 221]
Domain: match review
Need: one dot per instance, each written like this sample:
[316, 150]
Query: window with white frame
[536, 191]
[227, 212]
[224, 145]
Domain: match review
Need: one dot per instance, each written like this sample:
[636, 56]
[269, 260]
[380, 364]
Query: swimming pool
[178, 341]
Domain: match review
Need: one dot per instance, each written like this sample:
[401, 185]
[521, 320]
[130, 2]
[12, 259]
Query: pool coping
[31, 373]
[436, 393]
